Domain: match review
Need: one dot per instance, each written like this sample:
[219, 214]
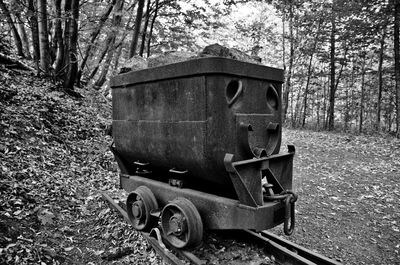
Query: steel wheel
[181, 223]
[139, 205]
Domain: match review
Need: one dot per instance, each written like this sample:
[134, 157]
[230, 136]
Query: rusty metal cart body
[201, 138]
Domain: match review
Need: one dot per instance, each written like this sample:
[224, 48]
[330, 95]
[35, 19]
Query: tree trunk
[32, 18]
[360, 127]
[342, 64]
[58, 63]
[51, 25]
[313, 100]
[297, 110]
[93, 37]
[106, 66]
[119, 46]
[112, 36]
[101, 57]
[331, 116]
[72, 47]
[43, 36]
[318, 106]
[352, 109]
[136, 32]
[326, 107]
[380, 79]
[66, 37]
[144, 31]
[306, 91]
[397, 62]
[309, 73]
[347, 113]
[389, 113]
[17, 38]
[107, 47]
[23, 35]
[291, 55]
[151, 28]
[116, 58]
[283, 50]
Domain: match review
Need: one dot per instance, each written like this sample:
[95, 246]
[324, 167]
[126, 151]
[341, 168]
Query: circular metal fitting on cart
[139, 205]
[181, 223]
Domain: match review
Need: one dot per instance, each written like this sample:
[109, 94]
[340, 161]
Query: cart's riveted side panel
[162, 123]
[180, 99]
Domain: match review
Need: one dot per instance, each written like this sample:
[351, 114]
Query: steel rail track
[284, 251]
[164, 253]
[157, 244]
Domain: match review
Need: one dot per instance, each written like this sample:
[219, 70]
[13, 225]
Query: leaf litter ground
[55, 159]
[349, 190]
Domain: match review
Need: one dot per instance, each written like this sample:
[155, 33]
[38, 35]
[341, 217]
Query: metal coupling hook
[289, 201]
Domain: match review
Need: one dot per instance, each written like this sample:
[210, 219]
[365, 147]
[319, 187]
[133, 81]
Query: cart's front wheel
[139, 205]
[181, 223]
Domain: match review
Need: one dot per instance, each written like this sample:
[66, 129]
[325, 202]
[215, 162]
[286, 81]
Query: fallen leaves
[348, 190]
[46, 217]
[54, 158]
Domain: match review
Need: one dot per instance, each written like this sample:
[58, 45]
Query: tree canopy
[341, 58]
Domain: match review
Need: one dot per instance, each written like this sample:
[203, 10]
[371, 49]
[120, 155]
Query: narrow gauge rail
[157, 244]
[284, 251]
[287, 252]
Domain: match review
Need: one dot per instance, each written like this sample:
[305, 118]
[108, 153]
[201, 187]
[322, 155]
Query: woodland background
[341, 62]
[341, 58]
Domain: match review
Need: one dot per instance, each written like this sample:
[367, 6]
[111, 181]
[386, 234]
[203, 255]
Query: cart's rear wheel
[181, 223]
[139, 205]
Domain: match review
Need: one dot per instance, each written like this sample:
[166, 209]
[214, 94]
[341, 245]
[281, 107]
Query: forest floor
[54, 160]
[349, 196]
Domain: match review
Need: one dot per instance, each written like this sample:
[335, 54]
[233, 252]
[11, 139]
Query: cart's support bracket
[246, 175]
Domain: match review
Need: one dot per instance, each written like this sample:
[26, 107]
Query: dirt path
[349, 189]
